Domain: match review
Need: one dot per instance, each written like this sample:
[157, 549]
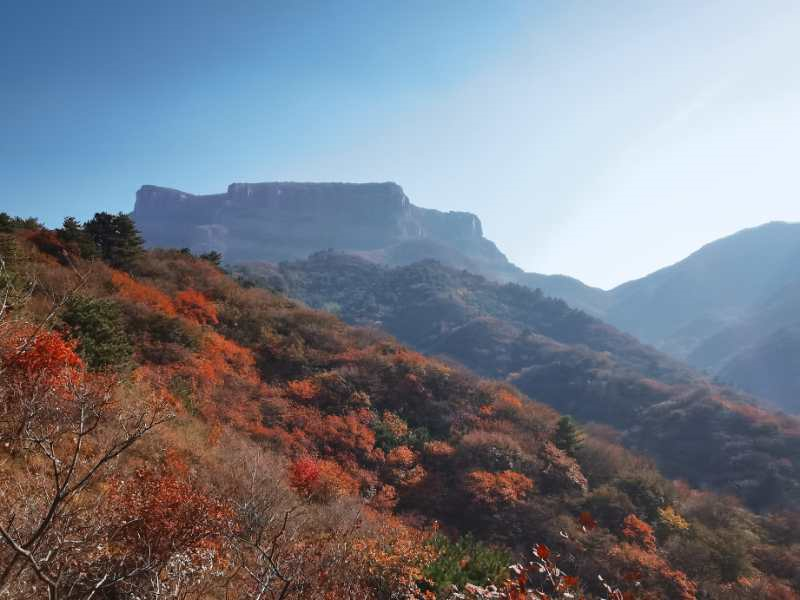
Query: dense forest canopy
[169, 432]
[696, 430]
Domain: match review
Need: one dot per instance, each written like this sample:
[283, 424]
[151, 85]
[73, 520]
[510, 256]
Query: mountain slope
[376, 221]
[709, 290]
[713, 309]
[279, 221]
[565, 358]
[305, 456]
[730, 309]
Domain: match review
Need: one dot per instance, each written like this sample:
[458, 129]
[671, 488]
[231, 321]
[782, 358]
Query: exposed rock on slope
[282, 221]
[723, 309]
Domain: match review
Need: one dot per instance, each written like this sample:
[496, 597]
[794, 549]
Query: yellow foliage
[672, 519]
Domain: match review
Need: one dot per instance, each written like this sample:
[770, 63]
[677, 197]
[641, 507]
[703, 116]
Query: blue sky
[602, 140]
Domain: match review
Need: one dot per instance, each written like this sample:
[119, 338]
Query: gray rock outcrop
[285, 221]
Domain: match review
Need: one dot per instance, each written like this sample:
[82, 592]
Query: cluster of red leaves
[31, 358]
[302, 389]
[401, 456]
[141, 293]
[195, 306]
[505, 487]
[164, 514]
[640, 561]
[49, 244]
[542, 579]
[303, 474]
[345, 436]
[640, 566]
[320, 480]
[640, 532]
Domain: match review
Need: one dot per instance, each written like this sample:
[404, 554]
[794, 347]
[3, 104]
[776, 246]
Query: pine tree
[116, 238]
[214, 257]
[99, 327]
[567, 436]
[73, 235]
[6, 223]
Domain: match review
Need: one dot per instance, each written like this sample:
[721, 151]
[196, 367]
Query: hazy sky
[597, 139]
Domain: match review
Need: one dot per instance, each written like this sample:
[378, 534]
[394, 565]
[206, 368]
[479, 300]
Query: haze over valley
[399, 300]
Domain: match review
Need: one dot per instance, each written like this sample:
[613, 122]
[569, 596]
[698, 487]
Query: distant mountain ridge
[729, 308]
[278, 221]
[695, 430]
[711, 288]
[286, 220]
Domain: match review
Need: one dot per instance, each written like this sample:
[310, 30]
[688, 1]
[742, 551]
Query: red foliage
[438, 449]
[135, 291]
[587, 521]
[653, 570]
[506, 487]
[194, 305]
[402, 456]
[303, 474]
[348, 434]
[638, 531]
[321, 480]
[165, 515]
[43, 359]
[48, 243]
[303, 389]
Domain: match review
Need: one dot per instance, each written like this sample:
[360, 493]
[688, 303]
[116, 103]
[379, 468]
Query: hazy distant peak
[290, 220]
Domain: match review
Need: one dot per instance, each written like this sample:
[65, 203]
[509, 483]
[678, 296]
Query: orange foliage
[194, 305]
[506, 487]
[45, 357]
[332, 433]
[220, 356]
[395, 424]
[647, 566]
[395, 553]
[439, 449]
[165, 514]
[302, 389]
[506, 402]
[303, 474]
[402, 456]
[135, 291]
[640, 532]
[41, 361]
[385, 499]
[321, 480]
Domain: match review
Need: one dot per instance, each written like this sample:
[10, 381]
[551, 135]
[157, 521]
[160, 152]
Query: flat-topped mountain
[282, 221]
[729, 308]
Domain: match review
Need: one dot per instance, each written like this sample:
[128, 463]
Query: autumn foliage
[193, 305]
[252, 445]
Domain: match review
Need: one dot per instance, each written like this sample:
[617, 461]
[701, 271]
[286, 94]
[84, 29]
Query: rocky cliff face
[282, 221]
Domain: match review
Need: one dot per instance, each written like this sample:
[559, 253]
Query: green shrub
[465, 560]
[98, 326]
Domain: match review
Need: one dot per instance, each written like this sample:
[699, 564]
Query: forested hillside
[728, 309]
[731, 308]
[706, 434]
[169, 433]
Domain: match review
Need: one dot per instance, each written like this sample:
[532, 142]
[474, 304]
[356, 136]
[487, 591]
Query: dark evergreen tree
[74, 236]
[213, 257]
[71, 230]
[98, 326]
[116, 238]
[6, 223]
[567, 436]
